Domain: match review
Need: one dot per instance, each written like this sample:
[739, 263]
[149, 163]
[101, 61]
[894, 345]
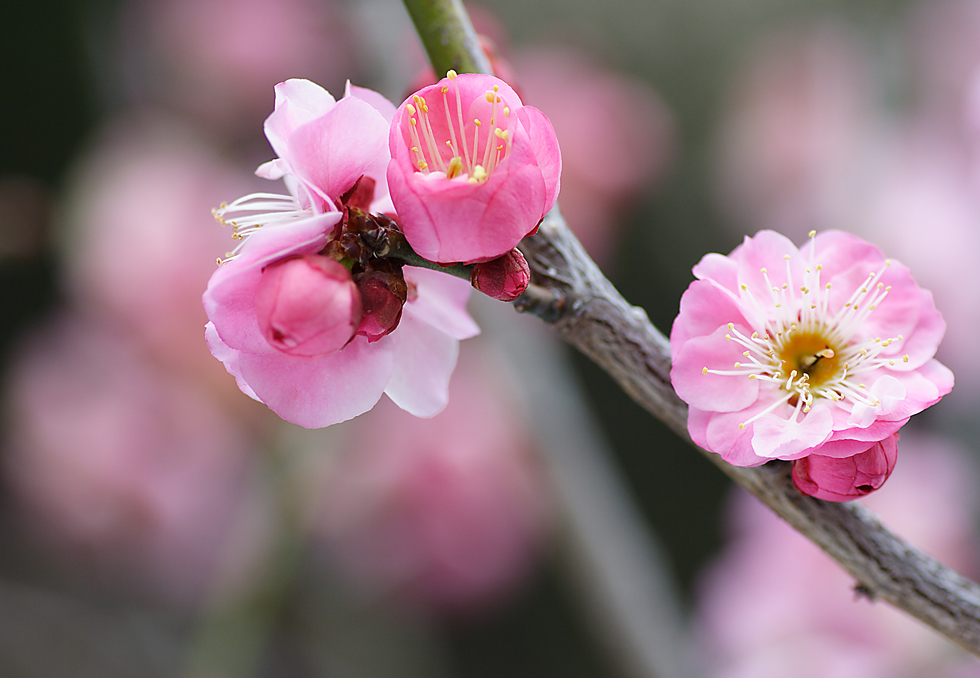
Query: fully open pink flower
[782, 353]
[473, 169]
[312, 375]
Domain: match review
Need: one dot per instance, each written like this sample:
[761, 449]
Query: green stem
[448, 36]
[401, 250]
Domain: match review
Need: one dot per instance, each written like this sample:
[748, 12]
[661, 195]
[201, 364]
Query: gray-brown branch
[570, 293]
[584, 308]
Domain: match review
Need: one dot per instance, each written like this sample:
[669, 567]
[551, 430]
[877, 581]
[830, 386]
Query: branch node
[547, 303]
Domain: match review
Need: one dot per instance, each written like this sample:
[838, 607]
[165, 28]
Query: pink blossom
[146, 272]
[122, 467]
[473, 170]
[848, 478]
[411, 364]
[782, 353]
[328, 150]
[214, 60]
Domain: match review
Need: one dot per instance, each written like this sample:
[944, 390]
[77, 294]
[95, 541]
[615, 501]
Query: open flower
[782, 353]
[298, 331]
[473, 169]
[412, 364]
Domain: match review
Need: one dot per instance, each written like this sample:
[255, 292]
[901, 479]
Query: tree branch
[571, 294]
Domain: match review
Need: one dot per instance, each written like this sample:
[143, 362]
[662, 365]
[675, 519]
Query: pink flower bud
[307, 306]
[848, 478]
[473, 169]
[504, 278]
[383, 296]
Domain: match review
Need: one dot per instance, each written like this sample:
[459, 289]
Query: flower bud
[383, 293]
[307, 305]
[504, 278]
[848, 478]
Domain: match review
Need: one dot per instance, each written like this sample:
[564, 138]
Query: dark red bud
[361, 194]
[382, 296]
[504, 278]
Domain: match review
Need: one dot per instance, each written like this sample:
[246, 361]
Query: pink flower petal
[376, 101]
[777, 438]
[424, 361]
[321, 390]
[705, 307]
[715, 392]
[441, 302]
[297, 102]
[334, 150]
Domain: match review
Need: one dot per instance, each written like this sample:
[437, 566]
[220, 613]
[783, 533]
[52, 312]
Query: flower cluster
[309, 313]
[820, 353]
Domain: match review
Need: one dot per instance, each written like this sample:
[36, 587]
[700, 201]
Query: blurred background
[154, 521]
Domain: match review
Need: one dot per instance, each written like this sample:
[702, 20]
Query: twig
[620, 339]
[593, 317]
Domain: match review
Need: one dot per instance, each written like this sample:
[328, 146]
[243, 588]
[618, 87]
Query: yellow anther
[451, 74]
[905, 358]
[455, 167]
[489, 97]
[476, 121]
[742, 426]
[786, 257]
[501, 133]
[704, 370]
[811, 234]
[731, 326]
[744, 286]
[478, 175]
[507, 111]
[445, 89]
[411, 109]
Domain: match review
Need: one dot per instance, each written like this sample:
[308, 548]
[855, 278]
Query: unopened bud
[847, 478]
[307, 306]
[504, 278]
[383, 294]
